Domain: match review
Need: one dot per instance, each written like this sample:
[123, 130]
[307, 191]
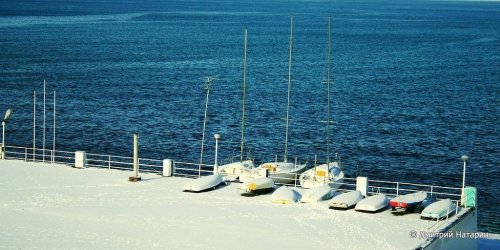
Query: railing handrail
[149, 163]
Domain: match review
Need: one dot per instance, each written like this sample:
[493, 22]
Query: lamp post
[5, 120]
[136, 176]
[464, 159]
[217, 138]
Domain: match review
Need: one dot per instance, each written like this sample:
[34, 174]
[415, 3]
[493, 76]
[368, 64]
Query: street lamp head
[7, 115]
[217, 136]
[464, 158]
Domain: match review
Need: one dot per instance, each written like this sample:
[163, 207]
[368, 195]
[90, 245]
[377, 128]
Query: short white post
[362, 185]
[216, 166]
[136, 176]
[168, 167]
[80, 159]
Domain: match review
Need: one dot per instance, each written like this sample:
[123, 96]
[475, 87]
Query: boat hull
[346, 200]
[408, 201]
[202, 183]
[330, 174]
[285, 195]
[258, 186]
[233, 170]
[372, 203]
[316, 194]
[438, 209]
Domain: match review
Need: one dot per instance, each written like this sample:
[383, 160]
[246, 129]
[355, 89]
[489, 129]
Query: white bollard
[168, 167]
[80, 159]
[362, 185]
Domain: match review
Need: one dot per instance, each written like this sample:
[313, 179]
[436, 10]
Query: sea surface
[415, 84]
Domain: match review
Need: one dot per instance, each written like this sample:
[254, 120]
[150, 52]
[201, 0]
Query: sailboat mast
[289, 87]
[207, 87]
[244, 97]
[328, 87]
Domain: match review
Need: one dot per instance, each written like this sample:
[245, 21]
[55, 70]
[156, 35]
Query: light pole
[5, 120]
[217, 138]
[464, 159]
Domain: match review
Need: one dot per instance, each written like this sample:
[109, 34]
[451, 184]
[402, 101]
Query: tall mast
[289, 87]
[244, 97]
[207, 88]
[328, 87]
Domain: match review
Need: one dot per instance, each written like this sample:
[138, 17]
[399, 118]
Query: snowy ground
[59, 207]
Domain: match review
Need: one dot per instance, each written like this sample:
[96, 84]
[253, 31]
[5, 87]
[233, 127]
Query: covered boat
[285, 195]
[258, 185]
[280, 172]
[330, 174]
[372, 203]
[346, 200]
[203, 183]
[318, 193]
[439, 209]
[408, 201]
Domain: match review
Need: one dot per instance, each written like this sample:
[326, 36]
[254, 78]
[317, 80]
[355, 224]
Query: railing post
[397, 189]
[109, 161]
[432, 190]
[25, 154]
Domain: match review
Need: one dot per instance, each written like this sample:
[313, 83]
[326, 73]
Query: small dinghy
[260, 185]
[346, 200]
[438, 209]
[408, 201]
[285, 195]
[372, 203]
[318, 193]
[203, 183]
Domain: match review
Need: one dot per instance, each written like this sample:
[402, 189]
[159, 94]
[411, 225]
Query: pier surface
[60, 207]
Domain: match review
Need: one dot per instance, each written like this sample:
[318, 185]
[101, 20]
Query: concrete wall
[459, 238]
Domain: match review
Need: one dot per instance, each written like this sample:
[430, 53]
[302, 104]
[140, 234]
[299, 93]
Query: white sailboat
[282, 172]
[329, 173]
[233, 170]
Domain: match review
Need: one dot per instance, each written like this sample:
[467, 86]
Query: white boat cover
[203, 183]
[318, 193]
[372, 203]
[285, 195]
[439, 209]
[346, 200]
[257, 184]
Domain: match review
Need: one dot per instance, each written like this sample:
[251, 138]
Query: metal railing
[194, 170]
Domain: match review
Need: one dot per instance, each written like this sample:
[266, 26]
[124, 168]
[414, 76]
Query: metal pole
[244, 97]
[54, 132]
[136, 155]
[328, 83]
[216, 166]
[464, 159]
[3, 140]
[209, 81]
[43, 137]
[34, 125]
[289, 86]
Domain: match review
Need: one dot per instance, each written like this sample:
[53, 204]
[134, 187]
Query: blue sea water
[415, 83]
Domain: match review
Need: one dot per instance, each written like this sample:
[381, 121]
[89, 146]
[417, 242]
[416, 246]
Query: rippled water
[415, 85]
